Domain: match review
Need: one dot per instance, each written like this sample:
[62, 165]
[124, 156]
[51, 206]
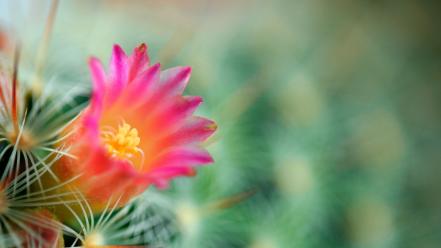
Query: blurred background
[328, 111]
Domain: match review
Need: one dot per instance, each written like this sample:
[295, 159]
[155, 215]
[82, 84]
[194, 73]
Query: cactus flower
[137, 131]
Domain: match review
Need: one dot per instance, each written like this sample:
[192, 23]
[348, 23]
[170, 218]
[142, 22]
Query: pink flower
[138, 129]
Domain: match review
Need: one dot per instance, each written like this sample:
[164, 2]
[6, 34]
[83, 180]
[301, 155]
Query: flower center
[123, 142]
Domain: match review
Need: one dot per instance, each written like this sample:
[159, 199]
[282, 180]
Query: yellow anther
[122, 143]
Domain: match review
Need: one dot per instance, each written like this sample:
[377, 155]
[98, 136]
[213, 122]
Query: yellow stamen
[122, 143]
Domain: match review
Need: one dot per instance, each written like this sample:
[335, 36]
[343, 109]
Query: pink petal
[91, 128]
[139, 89]
[181, 157]
[98, 80]
[118, 73]
[174, 80]
[137, 61]
[196, 129]
[174, 113]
